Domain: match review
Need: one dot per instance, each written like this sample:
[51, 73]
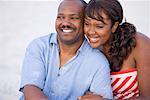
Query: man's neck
[68, 51]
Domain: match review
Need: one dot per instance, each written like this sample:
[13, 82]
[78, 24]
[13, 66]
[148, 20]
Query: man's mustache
[66, 26]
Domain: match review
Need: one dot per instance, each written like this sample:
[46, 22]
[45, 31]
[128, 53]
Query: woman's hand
[90, 96]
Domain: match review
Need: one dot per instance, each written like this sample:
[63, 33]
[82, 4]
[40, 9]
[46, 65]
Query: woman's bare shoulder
[142, 49]
[142, 43]
[142, 39]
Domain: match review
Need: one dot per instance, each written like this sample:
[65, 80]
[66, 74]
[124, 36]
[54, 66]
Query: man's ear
[114, 27]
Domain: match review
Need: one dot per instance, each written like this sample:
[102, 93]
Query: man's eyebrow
[74, 15]
[69, 14]
[60, 14]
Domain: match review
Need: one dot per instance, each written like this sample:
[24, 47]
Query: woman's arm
[142, 58]
[91, 96]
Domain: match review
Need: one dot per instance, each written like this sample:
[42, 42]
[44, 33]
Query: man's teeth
[67, 31]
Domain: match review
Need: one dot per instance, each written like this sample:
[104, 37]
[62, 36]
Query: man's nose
[66, 22]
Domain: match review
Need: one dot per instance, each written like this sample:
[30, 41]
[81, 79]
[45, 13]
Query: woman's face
[97, 32]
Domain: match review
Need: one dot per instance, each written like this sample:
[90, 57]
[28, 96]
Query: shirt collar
[82, 47]
[53, 40]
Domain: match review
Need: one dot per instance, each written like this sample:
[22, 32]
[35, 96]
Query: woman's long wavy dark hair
[123, 40]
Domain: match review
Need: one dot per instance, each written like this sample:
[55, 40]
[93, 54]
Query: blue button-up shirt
[88, 70]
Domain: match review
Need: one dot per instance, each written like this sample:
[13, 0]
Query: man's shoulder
[40, 42]
[94, 59]
[97, 55]
[94, 55]
[43, 39]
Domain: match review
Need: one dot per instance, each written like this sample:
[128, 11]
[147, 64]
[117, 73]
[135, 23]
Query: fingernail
[79, 98]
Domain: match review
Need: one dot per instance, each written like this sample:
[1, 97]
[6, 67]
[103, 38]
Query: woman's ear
[114, 27]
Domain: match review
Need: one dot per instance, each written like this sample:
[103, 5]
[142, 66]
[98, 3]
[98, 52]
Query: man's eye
[60, 17]
[74, 18]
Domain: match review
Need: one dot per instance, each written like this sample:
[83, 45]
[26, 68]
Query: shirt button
[58, 75]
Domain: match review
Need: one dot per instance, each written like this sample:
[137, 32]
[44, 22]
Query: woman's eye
[86, 24]
[99, 26]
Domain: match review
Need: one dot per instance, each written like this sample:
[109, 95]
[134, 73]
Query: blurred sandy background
[22, 21]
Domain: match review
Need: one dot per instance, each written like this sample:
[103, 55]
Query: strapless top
[125, 84]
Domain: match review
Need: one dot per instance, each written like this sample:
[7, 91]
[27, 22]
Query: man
[63, 66]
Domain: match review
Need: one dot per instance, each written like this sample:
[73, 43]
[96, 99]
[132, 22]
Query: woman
[126, 49]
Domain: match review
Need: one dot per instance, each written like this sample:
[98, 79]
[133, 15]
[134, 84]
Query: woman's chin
[94, 45]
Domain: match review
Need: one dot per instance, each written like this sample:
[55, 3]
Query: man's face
[69, 22]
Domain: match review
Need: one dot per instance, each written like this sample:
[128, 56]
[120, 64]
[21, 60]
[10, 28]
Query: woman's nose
[91, 30]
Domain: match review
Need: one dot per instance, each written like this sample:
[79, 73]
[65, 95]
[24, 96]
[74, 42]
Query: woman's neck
[105, 49]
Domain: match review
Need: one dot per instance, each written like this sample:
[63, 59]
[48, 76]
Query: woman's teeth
[94, 39]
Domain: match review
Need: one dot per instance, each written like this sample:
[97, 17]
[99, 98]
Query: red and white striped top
[124, 84]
